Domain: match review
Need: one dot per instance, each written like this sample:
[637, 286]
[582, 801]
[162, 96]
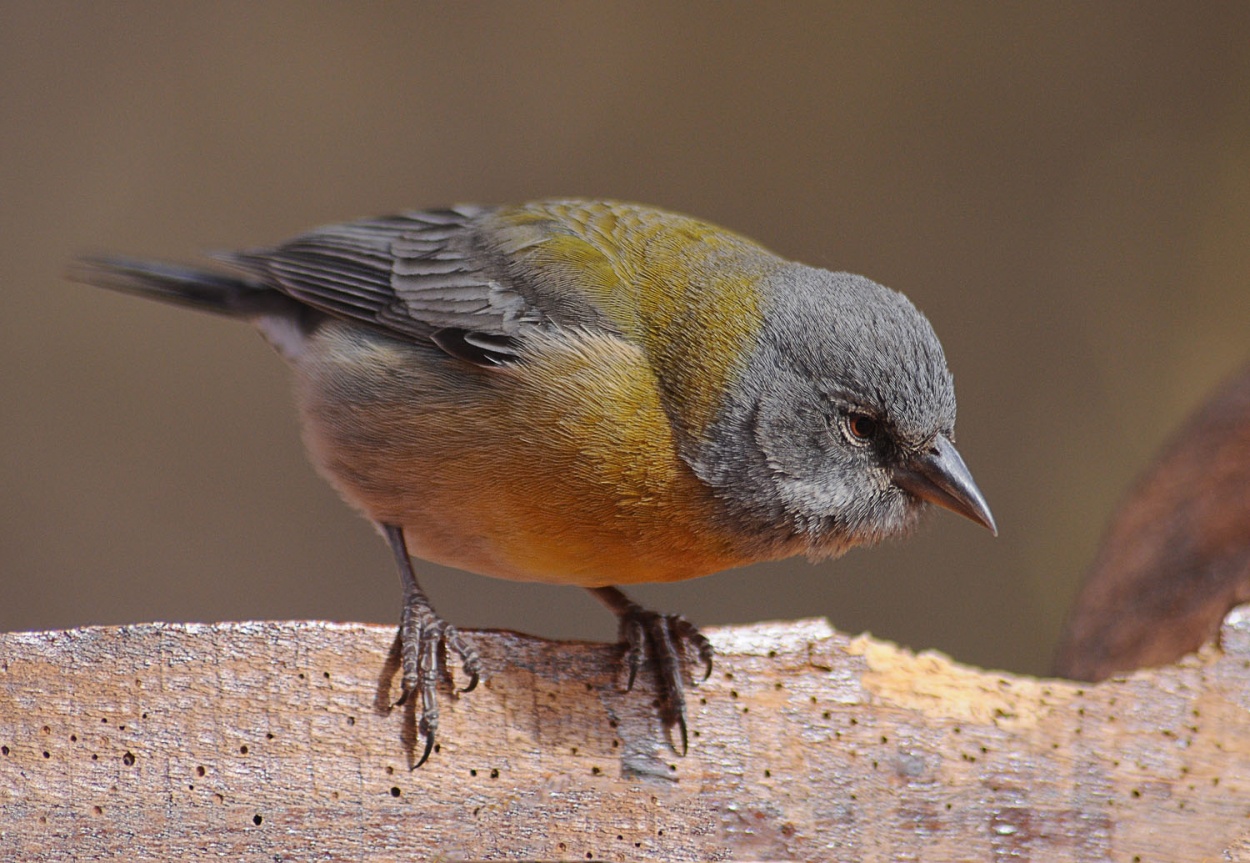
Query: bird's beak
[938, 475]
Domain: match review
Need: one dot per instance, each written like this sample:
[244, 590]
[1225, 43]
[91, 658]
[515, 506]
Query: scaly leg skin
[669, 639]
[424, 638]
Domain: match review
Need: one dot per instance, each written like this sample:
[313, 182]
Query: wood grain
[272, 741]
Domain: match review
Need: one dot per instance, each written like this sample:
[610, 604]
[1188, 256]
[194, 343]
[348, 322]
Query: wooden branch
[265, 741]
[1176, 555]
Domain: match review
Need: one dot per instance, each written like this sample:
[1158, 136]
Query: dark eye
[861, 428]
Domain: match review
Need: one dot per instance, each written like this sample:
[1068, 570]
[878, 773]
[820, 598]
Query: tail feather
[185, 286]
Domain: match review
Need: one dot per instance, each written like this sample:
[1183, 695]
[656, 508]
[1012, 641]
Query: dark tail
[185, 286]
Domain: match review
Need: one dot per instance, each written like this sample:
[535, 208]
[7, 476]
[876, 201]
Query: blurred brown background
[1063, 188]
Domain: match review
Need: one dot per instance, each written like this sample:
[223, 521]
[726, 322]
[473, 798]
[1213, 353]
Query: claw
[424, 640]
[634, 636]
[681, 724]
[470, 662]
[695, 639]
[707, 666]
[428, 733]
[670, 640]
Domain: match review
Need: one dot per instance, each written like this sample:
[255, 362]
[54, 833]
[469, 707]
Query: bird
[590, 393]
[1175, 557]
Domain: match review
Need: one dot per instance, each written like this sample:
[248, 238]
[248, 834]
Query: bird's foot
[669, 641]
[424, 640]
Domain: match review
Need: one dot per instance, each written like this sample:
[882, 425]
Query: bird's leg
[669, 639]
[423, 641]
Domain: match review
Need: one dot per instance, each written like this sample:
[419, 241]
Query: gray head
[841, 424]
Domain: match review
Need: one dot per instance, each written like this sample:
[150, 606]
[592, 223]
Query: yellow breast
[561, 469]
[684, 291]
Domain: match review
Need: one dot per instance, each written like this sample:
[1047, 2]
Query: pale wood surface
[265, 741]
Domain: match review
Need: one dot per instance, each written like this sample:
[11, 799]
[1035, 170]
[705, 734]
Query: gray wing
[419, 275]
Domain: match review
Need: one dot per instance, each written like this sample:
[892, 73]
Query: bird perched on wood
[591, 393]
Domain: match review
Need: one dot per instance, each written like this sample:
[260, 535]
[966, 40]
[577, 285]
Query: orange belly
[562, 469]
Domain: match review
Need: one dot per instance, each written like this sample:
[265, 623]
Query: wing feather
[412, 274]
